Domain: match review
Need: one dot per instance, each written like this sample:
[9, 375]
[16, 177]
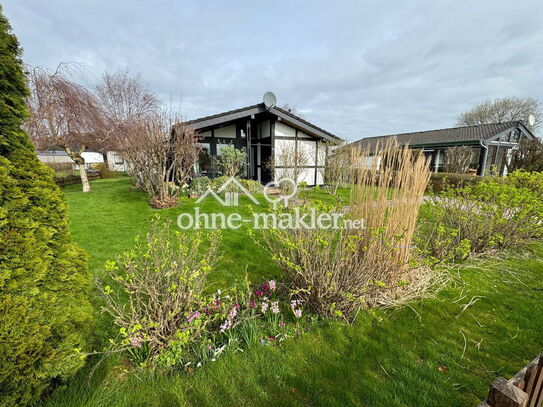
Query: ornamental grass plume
[338, 271]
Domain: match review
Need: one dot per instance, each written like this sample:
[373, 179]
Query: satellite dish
[269, 100]
[531, 119]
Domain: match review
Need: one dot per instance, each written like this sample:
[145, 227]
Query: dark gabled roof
[201, 122]
[285, 116]
[444, 137]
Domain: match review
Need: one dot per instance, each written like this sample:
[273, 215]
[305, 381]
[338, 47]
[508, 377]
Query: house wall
[289, 139]
[61, 157]
[115, 162]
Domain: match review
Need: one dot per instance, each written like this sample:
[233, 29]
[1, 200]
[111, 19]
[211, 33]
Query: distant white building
[114, 160]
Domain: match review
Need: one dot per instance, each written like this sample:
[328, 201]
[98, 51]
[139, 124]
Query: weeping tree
[66, 115]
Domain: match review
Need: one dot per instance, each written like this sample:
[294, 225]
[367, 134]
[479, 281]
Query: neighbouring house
[492, 144]
[265, 131]
[115, 161]
[56, 156]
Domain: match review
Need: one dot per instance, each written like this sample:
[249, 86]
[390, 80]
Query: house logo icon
[231, 196]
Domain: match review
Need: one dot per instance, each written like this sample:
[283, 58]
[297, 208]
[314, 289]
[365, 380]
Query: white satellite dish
[531, 119]
[269, 100]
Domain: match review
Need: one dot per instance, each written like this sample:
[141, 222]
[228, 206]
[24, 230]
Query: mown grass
[487, 323]
[106, 221]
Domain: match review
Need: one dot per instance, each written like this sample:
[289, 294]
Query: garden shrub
[44, 281]
[440, 180]
[496, 213]
[254, 187]
[230, 161]
[162, 279]
[199, 185]
[337, 270]
[166, 319]
[103, 170]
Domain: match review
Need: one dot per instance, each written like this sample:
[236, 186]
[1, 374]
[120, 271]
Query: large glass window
[203, 165]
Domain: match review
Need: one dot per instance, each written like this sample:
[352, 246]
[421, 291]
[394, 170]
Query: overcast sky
[355, 68]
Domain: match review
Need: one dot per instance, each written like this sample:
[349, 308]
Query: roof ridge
[198, 119]
[442, 129]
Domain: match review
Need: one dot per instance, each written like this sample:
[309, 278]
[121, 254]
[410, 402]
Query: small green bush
[441, 180]
[254, 187]
[199, 185]
[45, 314]
[496, 213]
[103, 170]
[230, 161]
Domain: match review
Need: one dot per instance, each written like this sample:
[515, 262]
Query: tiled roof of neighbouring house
[455, 135]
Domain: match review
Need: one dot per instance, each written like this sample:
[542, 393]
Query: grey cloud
[357, 69]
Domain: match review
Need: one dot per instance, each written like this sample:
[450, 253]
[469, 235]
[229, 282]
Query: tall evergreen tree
[44, 280]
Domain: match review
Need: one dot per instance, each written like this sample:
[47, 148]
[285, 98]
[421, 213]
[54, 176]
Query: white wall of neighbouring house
[90, 157]
[115, 161]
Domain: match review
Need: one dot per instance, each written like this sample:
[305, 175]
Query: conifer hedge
[44, 281]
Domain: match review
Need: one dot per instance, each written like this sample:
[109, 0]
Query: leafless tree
[64, 114]
[161, 151]
[528, 157]
[125, 99]
[458, 159]
[338, 169]
[503, 110]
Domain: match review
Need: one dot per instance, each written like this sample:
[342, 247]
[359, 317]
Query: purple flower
[252, 304]
[259, 293]
[193, 316]
[272, 285]
[226, 325]
[295, 303]
[281, 324]
[298, 313]
[136, 342]
[233, 313]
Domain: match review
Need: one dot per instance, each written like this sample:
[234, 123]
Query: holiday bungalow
[264, 131]
[492, 144]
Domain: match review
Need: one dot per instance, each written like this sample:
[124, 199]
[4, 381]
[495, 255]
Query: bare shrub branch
[458, 159]
[161, 157]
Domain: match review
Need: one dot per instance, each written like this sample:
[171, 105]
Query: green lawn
[387, 358]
